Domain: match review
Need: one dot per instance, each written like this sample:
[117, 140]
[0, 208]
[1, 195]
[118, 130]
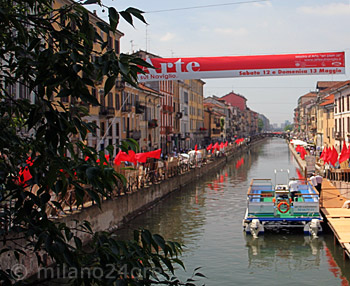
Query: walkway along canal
[206, 216]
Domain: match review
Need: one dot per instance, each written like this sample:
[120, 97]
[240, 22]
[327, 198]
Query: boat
[270, 207]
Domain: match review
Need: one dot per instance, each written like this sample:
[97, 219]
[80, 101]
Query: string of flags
[329, 155]
[130, 156]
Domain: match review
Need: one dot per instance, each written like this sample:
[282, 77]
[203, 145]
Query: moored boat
[275, 207]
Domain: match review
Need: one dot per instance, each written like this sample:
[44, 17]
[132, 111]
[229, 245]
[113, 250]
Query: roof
[146, 88]
[310, 94]
[326, 84]
[334, 87]
[328, 100]
[233, 93]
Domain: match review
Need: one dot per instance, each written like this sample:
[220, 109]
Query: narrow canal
[206, 217]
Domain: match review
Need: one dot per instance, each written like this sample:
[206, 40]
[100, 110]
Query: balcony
[167, 108]
[107, 111]
[187, 134]
[216, 131]
[168, 129]
[119, 84]
[135, 134]
[153, 123]
[126, 107]
[139, 108]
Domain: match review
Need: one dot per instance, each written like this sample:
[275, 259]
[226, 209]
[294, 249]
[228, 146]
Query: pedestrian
[319, 180]
[313, 180]
[293, 188]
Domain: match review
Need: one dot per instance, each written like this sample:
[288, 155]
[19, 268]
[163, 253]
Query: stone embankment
[114, 212]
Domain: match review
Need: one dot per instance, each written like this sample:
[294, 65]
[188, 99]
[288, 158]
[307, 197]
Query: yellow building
[326, 121]
[196, 114]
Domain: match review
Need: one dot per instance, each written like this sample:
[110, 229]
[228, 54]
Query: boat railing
[263, 185]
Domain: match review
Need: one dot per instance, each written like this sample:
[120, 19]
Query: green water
[206, 217]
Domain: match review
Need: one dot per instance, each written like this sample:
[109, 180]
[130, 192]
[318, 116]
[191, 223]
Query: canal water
[206, 217]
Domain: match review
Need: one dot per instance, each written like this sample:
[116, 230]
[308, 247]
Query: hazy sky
[234, 28]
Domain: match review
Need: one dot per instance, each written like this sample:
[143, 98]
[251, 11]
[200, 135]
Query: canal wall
[116, 212]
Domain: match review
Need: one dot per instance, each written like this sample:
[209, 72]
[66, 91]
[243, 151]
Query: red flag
[141, 157]
[348, 153]
[344, 154]
[155, 154]
[302, 152]
[196, 148]
[216, 145]
[209, 147]
[98, 160]
[24, 176]
[334, 157]
[329, 154]
[226, 143]
[121, 157]
[222, 145]
[323, 153]
[30, 161]
[300, 176]
[132, 158]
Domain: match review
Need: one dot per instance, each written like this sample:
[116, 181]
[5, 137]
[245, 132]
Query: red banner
[244, 66]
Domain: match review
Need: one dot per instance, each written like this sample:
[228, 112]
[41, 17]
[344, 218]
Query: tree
[289, 127]
[50, 53]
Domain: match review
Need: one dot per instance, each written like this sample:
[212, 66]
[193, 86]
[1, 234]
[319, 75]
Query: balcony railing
[126, 107]
[136, 134]
[167, 108]
[119, 84]
[153, 123]
[107, 111]
[216, 131]
[168, 129]
[139, 108]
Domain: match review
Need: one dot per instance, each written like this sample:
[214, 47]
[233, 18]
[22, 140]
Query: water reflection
[206, 217]
[273, 251]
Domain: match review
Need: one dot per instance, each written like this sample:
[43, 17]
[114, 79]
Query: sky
[235, 28]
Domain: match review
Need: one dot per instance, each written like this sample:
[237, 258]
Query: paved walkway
[338, 218]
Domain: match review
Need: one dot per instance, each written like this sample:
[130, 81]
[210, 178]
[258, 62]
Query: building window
[110, 99]
[117, 129]
[124, 125]
[102, 129]
[116, 46]
[185, 97]
[117, 103]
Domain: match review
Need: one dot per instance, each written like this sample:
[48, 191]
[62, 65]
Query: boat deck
[263, 195]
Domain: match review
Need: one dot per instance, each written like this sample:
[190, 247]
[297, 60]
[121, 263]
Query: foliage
[52, 54]
[222, 123]
[289, 127]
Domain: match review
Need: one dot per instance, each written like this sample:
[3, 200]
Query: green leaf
[137, 13]
[87, 2]
[113, 18]
[109, 84]
[127, 17]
